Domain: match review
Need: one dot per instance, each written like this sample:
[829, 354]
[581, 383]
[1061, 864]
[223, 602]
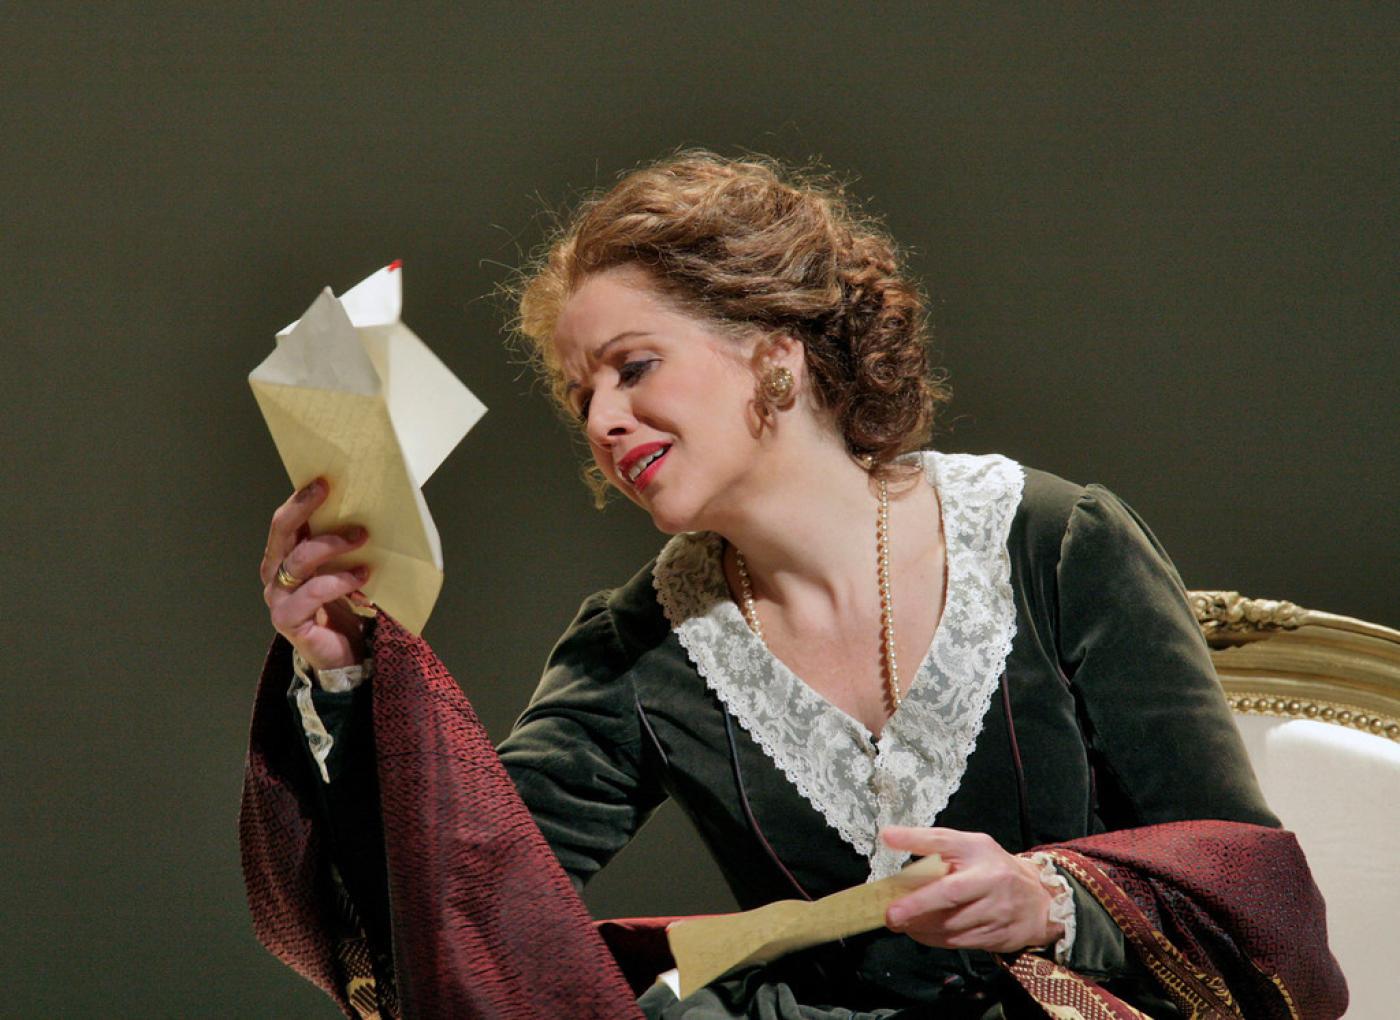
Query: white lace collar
[857, 785]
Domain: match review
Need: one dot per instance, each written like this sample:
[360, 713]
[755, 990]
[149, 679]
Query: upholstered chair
[1317, 699]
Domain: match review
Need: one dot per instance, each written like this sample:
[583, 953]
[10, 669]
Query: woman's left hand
[987, 900]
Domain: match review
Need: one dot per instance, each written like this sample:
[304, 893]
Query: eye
[631, 371]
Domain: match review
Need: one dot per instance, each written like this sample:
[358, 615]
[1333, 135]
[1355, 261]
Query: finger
[294, 612]
[951, 844]
[360, 600]
[990, 937]
[976, 915]
[342, 614]
[309, 554]
[939, 896]
[942, 928]
[979, 924]
[288, 519]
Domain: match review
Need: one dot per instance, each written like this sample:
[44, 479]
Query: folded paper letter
[706, 947]
[351, 395]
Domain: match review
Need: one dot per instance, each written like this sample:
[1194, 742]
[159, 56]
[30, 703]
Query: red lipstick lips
[640, 465]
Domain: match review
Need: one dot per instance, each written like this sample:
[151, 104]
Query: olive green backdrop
[1161, 247]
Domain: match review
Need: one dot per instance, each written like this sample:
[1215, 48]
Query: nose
[609, 418]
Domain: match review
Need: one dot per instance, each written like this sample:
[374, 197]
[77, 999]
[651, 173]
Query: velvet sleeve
[1160, 734]
[573, 755]
[1176, 791]
[575, 752]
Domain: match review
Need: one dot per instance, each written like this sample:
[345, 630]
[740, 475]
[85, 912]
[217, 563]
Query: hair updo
[748, 244]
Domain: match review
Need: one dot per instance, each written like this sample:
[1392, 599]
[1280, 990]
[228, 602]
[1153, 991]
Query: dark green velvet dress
[1066, 643]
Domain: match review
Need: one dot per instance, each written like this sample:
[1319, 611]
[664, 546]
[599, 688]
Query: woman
[846, 641]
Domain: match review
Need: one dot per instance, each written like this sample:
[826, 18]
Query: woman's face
[665, 401]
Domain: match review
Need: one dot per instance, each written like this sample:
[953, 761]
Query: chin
[669, 518]
[670, 524]
[663, 519]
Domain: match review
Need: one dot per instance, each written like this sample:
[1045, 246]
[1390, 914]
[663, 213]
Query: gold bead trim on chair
[1255, 703]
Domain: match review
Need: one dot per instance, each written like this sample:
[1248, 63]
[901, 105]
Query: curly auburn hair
[748, 244]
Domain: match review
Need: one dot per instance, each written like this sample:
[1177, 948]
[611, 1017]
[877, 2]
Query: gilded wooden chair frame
[1276, 658]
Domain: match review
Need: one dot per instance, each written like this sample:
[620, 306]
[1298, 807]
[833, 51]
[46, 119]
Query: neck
[806, 528]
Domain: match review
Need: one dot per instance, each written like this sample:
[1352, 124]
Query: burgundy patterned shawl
[1224, 914]
[486, 924]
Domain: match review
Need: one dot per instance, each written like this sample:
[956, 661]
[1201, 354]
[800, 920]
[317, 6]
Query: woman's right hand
[313, 614]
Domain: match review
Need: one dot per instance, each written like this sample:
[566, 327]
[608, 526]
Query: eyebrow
[602, 349]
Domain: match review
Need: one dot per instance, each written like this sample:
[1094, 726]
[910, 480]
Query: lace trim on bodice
[829, 757]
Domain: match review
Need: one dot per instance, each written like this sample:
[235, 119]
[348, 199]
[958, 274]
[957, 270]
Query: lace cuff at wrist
[338, 680]
[344, 678]
[1061, 903]
[333, 681]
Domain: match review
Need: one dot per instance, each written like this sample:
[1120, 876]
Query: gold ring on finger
[286, 579]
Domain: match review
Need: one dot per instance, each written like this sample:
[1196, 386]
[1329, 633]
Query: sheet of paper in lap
[706, 947]
[351, 395]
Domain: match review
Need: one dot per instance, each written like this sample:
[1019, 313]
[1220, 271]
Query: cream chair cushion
[1339, 791]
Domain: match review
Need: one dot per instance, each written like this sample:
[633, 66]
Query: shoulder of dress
[640, 615]
[1048, 501]
[612, 629]
[1045, 501]
[636, 614]
[1057, 515]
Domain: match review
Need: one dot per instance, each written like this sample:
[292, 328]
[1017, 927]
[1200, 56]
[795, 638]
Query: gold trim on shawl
[1204, 996]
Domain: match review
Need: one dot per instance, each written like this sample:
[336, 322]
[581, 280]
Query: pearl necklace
[882, 549]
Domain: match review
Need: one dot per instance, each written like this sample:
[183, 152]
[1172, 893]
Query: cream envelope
[706, 947]
[351, 395]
